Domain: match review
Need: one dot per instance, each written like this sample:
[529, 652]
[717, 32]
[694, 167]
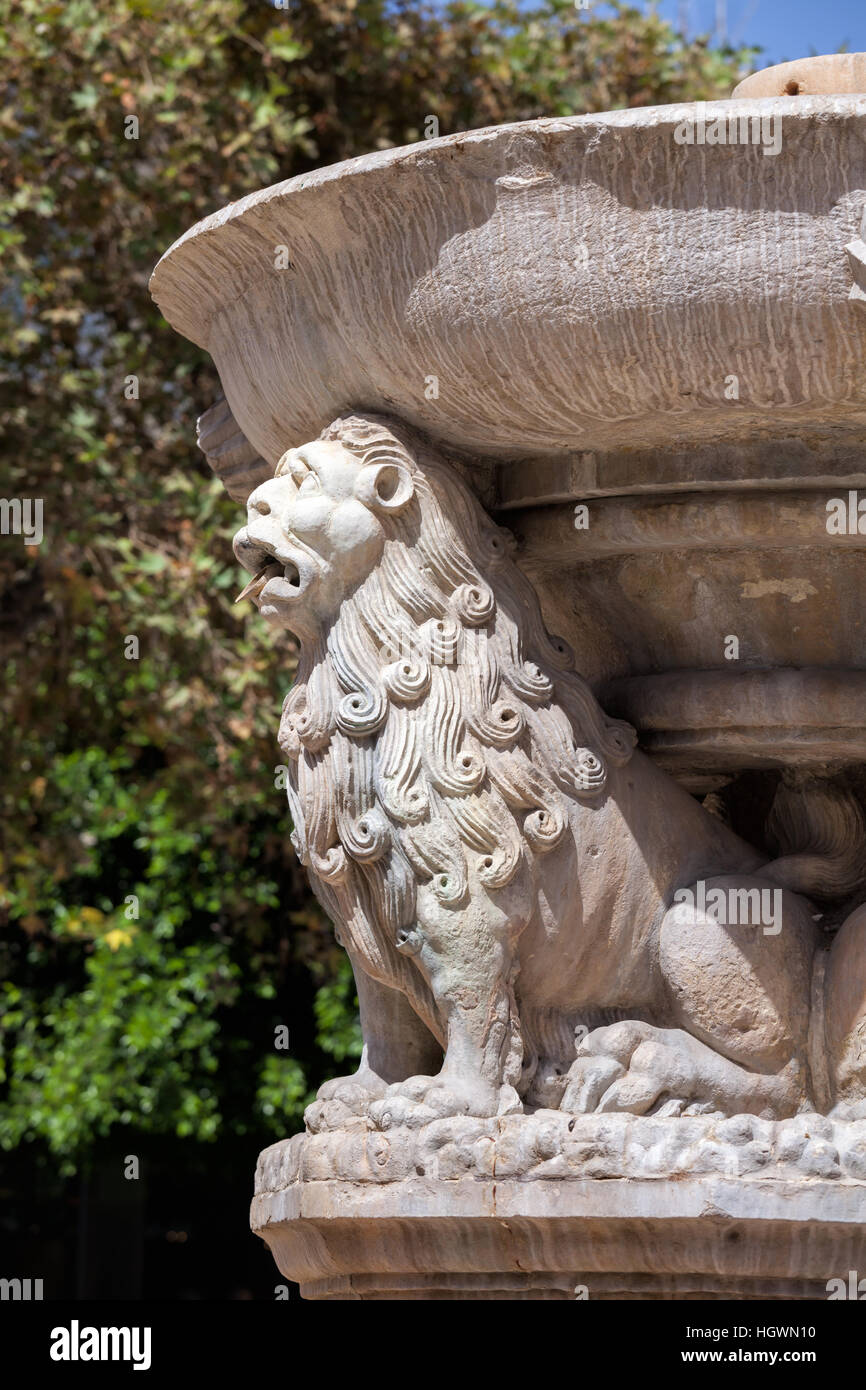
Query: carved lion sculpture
[515, 884]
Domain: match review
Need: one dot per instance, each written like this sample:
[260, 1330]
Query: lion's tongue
[259, 581]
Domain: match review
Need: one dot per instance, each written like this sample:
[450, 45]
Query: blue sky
[783, 28]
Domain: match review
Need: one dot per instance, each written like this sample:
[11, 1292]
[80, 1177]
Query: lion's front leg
[466, 954]
[396, 1044]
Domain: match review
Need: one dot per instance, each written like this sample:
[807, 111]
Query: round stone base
[547, 1206]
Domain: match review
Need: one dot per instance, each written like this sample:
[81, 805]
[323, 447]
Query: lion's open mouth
[273, 581]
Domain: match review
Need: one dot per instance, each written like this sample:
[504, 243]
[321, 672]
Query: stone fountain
[603, 892]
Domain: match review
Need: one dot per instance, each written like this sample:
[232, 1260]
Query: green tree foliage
[156, 929]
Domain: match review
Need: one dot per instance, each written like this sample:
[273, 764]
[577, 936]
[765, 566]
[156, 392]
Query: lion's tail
[819, 831]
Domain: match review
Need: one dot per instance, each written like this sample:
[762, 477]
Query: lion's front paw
[350, 1088]
[420, 1099]
[343, 1101]
[400, 1112]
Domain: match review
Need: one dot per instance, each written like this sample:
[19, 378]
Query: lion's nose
[252, 551]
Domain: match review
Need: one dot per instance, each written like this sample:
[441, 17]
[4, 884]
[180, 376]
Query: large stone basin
[589, 310]
[580, 284]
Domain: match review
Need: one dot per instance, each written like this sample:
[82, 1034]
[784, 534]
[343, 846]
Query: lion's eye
[310, 484]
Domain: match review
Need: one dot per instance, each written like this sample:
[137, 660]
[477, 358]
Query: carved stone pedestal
[552, 1207]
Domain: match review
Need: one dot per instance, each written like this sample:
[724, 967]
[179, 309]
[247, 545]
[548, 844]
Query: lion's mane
[435, 719]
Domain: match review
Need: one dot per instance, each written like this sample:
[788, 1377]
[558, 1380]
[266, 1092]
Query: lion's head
[320, 524]
[434, 722]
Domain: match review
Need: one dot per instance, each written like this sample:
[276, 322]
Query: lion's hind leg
[730, 1032]
[637, 1068]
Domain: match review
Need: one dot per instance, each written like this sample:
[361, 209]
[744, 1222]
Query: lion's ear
[384, 487]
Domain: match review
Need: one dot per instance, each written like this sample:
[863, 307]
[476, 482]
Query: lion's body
[613, 881]
[487, 842]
